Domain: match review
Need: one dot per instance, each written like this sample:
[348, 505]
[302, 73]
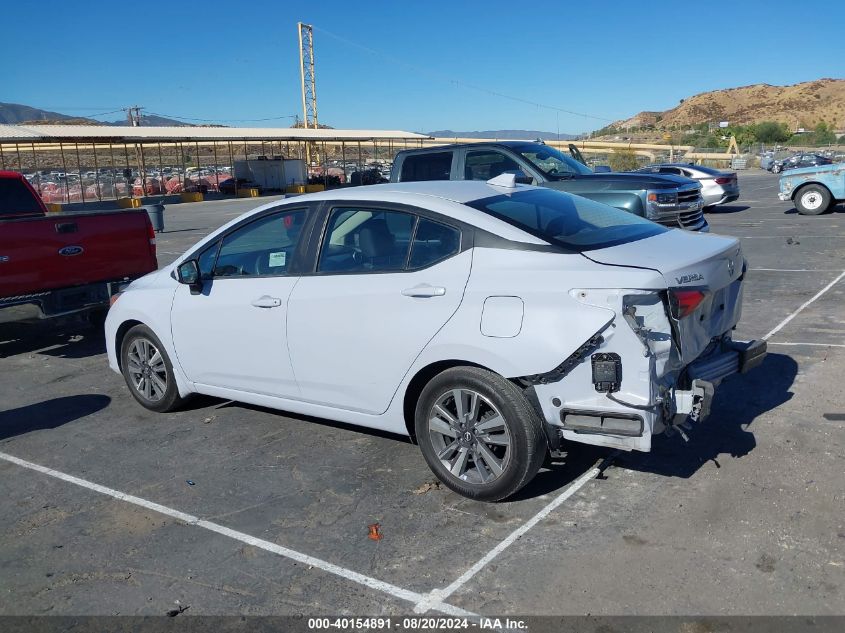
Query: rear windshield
[16, 198]
[570, 221]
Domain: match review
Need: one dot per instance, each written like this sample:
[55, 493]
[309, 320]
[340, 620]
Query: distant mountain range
[17, 114]
[505, 135]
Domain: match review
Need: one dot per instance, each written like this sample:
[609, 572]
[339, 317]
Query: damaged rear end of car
[656, 367]
[663, 304]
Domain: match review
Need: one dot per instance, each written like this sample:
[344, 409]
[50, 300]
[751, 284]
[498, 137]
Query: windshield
[551, 161]
[570, 221]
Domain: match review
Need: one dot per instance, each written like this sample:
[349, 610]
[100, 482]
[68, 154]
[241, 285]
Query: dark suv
[670, 200]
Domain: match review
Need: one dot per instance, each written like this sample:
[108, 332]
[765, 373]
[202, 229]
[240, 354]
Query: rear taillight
[684, 302]
[151, 234]
[724, 180]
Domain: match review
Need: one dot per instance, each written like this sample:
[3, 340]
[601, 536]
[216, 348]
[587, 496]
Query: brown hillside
[799, 105]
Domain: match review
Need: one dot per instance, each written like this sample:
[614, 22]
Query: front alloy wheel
[148, 371]
[478, 433]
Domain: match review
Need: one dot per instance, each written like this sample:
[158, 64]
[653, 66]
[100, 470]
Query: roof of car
[479, 144]
[460, 191]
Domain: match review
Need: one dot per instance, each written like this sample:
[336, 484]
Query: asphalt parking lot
[235, 509]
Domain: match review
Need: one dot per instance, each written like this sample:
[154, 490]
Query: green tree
[824, 135]
[623, 160]
[771, 132]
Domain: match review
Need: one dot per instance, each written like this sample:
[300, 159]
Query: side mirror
[188, 273]
[521, 177]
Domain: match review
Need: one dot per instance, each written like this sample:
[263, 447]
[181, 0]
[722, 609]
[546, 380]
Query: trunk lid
[711, 264]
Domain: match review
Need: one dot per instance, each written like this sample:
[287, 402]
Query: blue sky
[407, 65]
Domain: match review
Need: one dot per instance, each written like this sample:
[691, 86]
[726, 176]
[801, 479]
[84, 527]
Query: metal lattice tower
[306, 70]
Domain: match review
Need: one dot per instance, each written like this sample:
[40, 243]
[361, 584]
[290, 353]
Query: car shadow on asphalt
[839, 208]
[74, 338]
[739, 401]
[50, 414]
[725, 209]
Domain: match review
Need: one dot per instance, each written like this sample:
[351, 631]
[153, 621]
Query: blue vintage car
[814, 190]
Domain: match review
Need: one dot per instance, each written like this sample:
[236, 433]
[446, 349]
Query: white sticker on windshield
[278, 259]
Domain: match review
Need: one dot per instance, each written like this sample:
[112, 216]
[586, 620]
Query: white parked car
[490, 321]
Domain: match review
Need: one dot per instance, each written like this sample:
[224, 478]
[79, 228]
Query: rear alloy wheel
[479, 434]
[148, 371]
[812, 200]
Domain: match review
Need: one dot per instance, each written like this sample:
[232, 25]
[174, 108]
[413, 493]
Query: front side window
[263, 247]
[484, 165]
[550, 161]
[366, 240]
[571, 221]
[206, 261]
[431, 166]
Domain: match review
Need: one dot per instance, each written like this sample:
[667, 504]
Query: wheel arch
[804, 185]
[418, 383]
[119, 335]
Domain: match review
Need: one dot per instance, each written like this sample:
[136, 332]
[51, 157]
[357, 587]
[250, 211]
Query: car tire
[493, 450]
[812, 200]
[148, 371]
[776, 169]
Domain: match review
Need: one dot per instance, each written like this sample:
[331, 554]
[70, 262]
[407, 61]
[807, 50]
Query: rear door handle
[424, 290]
[267, 302]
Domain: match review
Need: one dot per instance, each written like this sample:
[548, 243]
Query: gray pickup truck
[669, 200]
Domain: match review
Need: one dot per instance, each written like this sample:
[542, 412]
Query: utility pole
[133, 115]
[133, 118]
[308, 81]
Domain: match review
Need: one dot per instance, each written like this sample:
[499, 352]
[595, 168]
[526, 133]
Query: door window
[433, 242]
[481, 165]
[670, 170]
[433, 166]
[263, 247]
[366, 240]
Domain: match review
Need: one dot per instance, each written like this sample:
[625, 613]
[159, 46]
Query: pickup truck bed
[67, 262]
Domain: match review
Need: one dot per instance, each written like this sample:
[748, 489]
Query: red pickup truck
[64, 263]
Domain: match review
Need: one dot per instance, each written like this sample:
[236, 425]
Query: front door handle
[267, 302]
[424, 290]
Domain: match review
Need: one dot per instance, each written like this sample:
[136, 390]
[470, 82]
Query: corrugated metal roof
[17, 133]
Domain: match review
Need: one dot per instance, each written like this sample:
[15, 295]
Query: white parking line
[780, 325]
[791, 344]
[436, 596]
[348, 574]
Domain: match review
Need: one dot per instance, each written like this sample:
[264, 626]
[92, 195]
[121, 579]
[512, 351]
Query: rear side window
[433, 242]
[570, 221]
[366, 240]
[433, 166]
[15, 197]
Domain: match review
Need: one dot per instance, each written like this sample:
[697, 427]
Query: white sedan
[492, 322]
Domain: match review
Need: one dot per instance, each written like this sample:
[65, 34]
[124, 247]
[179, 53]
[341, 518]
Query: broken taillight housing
[684, 302]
